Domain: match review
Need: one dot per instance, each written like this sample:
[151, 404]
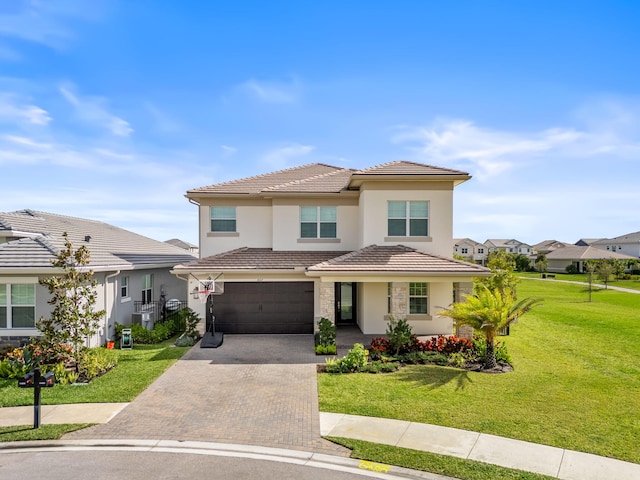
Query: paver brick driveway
[254, 389]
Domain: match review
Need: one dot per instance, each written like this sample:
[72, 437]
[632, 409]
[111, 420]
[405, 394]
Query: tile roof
[627, 238]
[258, 183]
[575, 252]
[403, 167]
[397, 259]
[318, 178]
[108, 245]
[259, 259]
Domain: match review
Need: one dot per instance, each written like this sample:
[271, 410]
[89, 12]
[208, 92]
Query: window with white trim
[408, 219]
[465, 250]
[223, 219]
[124, 287]
[418, 298]
[318, 222]
[18, 305]
[147, 288]
[481, 250]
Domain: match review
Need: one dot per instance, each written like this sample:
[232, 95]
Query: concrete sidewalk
[505, 452]
[57, 414]
[551, 461]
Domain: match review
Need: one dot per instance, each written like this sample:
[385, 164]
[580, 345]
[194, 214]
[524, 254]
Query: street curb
[298, 457]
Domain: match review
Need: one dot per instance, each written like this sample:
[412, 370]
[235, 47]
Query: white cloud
[93, 110]
[279, 158]
[46, 22]
[228, 151]
[273, 92]
[14, 109]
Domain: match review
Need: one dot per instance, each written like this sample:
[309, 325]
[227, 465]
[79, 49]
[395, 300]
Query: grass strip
[431, 462]
[45, 432]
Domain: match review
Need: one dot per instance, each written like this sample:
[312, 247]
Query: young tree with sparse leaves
[73, 318]
[502, 266]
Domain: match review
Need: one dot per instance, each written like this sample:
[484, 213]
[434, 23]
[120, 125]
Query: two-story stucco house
[509, 246]
[132, 271]
[628, 244]
[316, 241]
[471, 250]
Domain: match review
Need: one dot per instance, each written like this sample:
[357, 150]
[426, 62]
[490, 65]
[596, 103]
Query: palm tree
[489, 311]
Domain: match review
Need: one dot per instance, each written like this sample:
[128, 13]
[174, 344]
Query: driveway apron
[254, 390]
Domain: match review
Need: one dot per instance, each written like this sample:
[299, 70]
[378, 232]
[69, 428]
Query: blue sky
[112, 109]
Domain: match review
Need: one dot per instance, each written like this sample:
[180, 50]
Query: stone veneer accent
[399, 300]
[328, 301]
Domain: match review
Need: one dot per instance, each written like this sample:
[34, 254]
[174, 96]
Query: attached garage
[264, 307]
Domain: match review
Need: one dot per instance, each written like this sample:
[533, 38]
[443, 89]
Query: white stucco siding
[286, 221]
[373, 212]
[254, 225]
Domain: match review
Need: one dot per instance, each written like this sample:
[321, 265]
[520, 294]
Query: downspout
[115, 304]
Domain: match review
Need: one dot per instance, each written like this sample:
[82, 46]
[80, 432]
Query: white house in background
[316, 241]
[471, 250]
[508, 246]
[189, 247]
[132, 271]
[558, 260]
[628, 244]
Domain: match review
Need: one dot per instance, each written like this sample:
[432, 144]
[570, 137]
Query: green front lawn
[45, 432]
[576, 382]
[136, 370]
[633, 283]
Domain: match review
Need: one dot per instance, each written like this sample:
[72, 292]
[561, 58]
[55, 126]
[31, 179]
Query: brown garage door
[265, 307]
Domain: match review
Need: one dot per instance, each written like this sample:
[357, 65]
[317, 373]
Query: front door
[346, 302]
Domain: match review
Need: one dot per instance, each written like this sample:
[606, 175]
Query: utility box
[142, 318]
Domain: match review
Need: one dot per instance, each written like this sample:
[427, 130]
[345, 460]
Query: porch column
[328, 301]
[461, 289]
[399, 300]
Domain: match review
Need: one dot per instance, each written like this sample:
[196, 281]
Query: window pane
[308, 214]
[23, 294]
[327, 230]
[3, 294]
[418, 289]
[308, 230]
[327, 214]
[418, 228]
[223, 225]
[397, 228]
[223, 212]
[3, 317]
[397, 209]
[418, 209]
[23, 317]
[418, 305]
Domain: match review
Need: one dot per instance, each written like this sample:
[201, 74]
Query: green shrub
[480, 350]
[326, 349]
[95, 362]
[354, 361]
[326, 334]
[380, 367]
[399, 333]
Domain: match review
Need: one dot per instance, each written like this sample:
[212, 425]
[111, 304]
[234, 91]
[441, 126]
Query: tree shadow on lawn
[435, 377]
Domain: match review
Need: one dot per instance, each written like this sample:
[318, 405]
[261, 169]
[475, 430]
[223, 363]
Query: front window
[481, 250]
[418, 298]
[408, 219]
[124, 287]
[465, 251]
[223, 219]
[18, 306]
[147, 288]
[318, 222]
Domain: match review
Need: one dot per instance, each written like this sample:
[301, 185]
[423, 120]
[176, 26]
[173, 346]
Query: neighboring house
[189, 247]
[355, 246]
[471, 250]
[585, 242]
[547, 246]
[559, 259]
[132, 271]
[628, 244]
[508, 246]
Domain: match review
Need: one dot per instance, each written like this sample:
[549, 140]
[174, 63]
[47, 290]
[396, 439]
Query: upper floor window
[223, 219]
[465, 250]
[418, 296]
[318, 222]
[408, 219]
[17, 306]
[481, 250]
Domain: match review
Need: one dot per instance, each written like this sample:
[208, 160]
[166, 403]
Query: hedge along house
[316, 241]
[132, 271]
